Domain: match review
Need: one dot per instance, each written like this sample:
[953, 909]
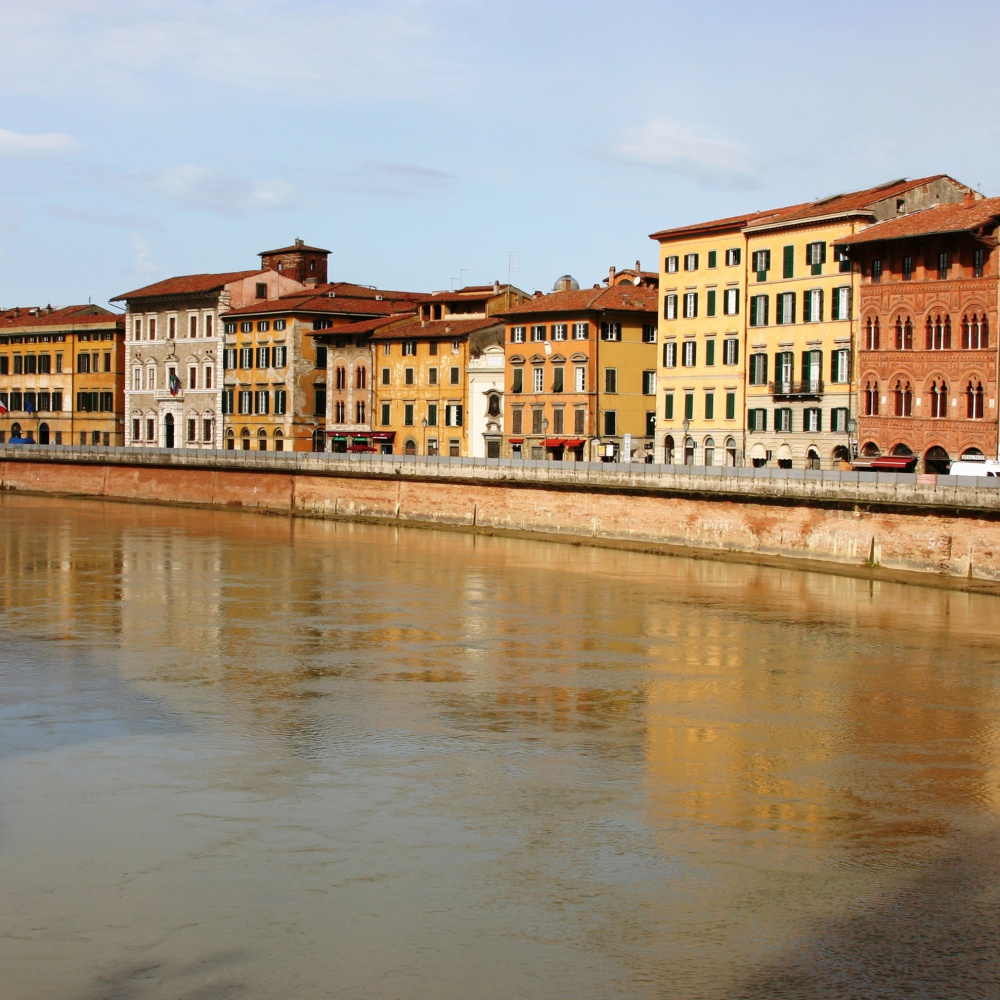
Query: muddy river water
[259, 758]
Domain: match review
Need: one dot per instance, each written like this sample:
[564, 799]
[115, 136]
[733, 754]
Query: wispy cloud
[672, 147]
[25, 145]
[206, 189]
[380, 178]
[92, 217]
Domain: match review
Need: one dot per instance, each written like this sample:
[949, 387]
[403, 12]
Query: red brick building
[927, 336]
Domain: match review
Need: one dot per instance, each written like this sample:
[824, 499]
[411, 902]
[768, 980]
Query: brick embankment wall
[936, 528]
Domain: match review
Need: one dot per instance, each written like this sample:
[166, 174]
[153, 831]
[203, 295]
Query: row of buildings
[804, 336]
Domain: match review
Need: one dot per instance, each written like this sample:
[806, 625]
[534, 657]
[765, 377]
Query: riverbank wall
[930, 529]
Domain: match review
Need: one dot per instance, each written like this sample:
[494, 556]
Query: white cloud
[212, 190]
[380, 178]
[23, 145]
[672, 147]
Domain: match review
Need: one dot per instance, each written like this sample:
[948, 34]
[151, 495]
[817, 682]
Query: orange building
[62, 375]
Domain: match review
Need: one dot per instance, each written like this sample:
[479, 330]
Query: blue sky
[431, 142]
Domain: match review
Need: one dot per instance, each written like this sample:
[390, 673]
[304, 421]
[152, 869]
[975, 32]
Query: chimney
[496, 287]
[538, 294]
[638, 268]
[970, 197]
[311, 282]
[611, 275]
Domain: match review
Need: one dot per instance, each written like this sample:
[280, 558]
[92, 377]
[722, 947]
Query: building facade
[928, 301]
[62, 376]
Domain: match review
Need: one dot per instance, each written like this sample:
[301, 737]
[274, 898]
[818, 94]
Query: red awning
[360, 447]
[554, 442]
[575, 443]
[517, 440]
[889, 462]
[382, 435]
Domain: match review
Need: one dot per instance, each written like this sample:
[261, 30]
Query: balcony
[800, 390]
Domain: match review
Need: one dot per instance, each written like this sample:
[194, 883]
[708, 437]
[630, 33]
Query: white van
[974, 469]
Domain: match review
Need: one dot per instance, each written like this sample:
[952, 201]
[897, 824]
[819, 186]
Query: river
[259, 757]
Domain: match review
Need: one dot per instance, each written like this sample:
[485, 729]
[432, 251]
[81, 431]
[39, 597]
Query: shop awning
[383, 435]
[360, 447]
[554, 442]
[890, 462]
[517, 440]
[575, 443]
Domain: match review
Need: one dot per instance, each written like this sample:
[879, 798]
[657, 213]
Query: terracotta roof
[617, 298]
[957, 218]
[852, 201]
[469, 292]
[733, 222]
[360, 326]
[295, 248]
[444, 329]
[82, 315]
[187, 284]
[371, 292]
[313, 302]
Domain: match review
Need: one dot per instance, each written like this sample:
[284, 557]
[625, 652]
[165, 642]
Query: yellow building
[802, 331]
[62, 375]
[701, 368]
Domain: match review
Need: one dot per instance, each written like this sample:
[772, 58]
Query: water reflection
[251, 756]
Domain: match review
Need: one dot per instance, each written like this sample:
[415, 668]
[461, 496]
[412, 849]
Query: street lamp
[852, 427]
[545, 433]
[686, 426]
[423, 423]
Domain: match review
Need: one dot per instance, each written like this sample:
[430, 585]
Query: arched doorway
[279, 441]
[43, 433]
[871, 450]
[245, 439]
[230, 440]
[262, 440]
[731, 452]
[973, 455]
[785, 457]
[668, 450]
[937, 461]
[812, 458]
[841, 456]
[709, 451]
[410, 448]
[15, 432]
[758, 456]
[689, 451]
[168, 430]
[319, 439]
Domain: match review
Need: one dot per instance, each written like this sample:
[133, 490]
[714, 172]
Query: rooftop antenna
[513, 266]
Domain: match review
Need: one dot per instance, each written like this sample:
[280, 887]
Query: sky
[433, 143]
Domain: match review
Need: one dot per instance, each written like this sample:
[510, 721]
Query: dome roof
[567, 283]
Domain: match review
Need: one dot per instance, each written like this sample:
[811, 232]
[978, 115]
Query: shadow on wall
[939, 937]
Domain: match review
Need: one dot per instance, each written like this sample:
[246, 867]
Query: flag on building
[175, 384]
[29, 406]
[3, 409]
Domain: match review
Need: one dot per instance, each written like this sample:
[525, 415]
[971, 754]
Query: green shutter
[730, 406]
[806, 307]
[709, 405]
[712, 258]
[791, 302]
[834, 306]
[688, 405]
[788, 270]
[669, 414]
[710, 352]
[710, 307]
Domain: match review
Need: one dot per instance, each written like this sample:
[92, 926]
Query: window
[319, 401]
[386, 414]
[689, 406]
[171, 327]
[840, 365]
[263, 357]
[339, 411]
[783, 420]
[758, 369]
[432, 376]
[432, 348]
[938, 333]
[975, 332]
[611, 331]
[816, 257]
[192, 429]
[537, 333]
[840, 306]
[229, 358]
[649, 383]
[207, 429]
[710, 302]
[731, 302]
[903, 399]
[757, 420]
[869, 399]
[788, 262]
[670, 306]
[939, 399]
[263, 325]
[280, 402]
[558, 421]
[559, 331]
[843, 261]
[812, 306]
[580, 420]
[227, 401]
[610, 423]
[942, 266]
[690, 305]
[580, 378]
[538, 379]
[762, 263]
[812, 371]
[649, 333]
[82, 364]
[730, 406]
[690, 262]
[689, 354]
[713, 258]
[517, 421]
[536, 420]
[974, 401]
[978, 262]
[670, 354]
[812, 420]
[245, 401]
[784, 368]
[59, 364]
[610, 379]
[192, 378]
[137, 329]
[261, 291]
[454, 376]
[668, 408]
[409, 348]
[710, 351]
[904, 333]
[262, 402]
[279, 325]
[876, 270]
[730, 351]
[580, 331]
[733, 257]
[517, 334]
[670, 265]
[408, 414]
[709, 405]
[786, 307]
[408, 376]
[758, 310]
[432, 414]
[453, 415]
[558, 376]
[518, 380]
[838, 419]
[246, 326]
[907, 268]
[246, 357]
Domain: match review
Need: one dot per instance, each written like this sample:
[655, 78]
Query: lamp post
[852, 427]
[545, 433]
[423, 423]
[686, 426]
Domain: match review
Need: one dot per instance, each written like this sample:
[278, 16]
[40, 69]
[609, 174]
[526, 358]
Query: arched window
[709, 451]
[279, 441]
[904, 334]
[812, 458]
[360, 380]
[903, 396]
[410, 448]
[262, 440]
[870, 450]
[938, 333]
[939, 399]
[870, 399]
[230, 440]
[731, 452]
[668, 450]
[689, 451]
[339, 410]
[359, 411]
[493, 404]
[975, 332]
[245, 440]
[974, 400]
[340, 375]
[872, 334]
